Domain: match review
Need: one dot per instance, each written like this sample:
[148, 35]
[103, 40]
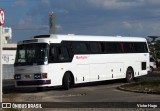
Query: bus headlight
[17, 76]
[37, 76]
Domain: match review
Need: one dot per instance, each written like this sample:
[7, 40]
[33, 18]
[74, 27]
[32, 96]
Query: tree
[155, 49]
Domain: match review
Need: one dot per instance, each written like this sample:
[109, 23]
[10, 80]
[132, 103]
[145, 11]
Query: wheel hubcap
[130, 75]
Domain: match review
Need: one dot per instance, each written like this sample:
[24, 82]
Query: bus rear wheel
[67, 81]
[129, 75]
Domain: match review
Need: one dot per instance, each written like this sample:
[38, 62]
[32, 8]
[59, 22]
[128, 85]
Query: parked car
[152, 64]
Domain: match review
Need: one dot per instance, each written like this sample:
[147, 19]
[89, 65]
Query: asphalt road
[92, 92]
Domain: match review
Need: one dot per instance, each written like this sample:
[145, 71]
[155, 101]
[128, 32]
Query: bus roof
[71, 37]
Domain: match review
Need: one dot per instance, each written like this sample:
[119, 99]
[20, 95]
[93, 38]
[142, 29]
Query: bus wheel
[39, 89]
[129, 75]
[67, 81]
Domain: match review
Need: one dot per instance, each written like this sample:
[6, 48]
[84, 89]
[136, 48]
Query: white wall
[8, 56]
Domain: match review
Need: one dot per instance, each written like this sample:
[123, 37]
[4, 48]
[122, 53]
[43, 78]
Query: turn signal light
[44, 75]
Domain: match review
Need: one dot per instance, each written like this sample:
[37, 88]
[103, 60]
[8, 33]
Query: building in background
[8, 53]
[7, 35]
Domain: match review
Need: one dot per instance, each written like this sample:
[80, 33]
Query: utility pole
[1, 35]
[52, 23]
[153, 38]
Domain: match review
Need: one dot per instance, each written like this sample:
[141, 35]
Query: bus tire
[67, 81]
[129, 75]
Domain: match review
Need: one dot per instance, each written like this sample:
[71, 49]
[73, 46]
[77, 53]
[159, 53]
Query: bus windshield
[31, 54]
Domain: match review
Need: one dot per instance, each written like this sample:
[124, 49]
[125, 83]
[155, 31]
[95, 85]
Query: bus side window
[130, 47]
[63, 54]
[140, 47]
[80, 47]
[112, 47]
[102, 47]
[122, 47]
[52, 54]
[96, 47]
[127, 47]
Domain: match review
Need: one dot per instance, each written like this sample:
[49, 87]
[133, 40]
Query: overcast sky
[85, 17]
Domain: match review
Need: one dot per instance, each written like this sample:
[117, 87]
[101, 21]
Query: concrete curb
[137, 91]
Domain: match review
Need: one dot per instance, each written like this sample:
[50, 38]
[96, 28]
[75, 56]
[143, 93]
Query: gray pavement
[100, 92]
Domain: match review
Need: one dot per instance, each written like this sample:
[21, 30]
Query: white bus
[53, 60]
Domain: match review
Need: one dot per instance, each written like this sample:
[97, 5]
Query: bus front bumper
[33, 82]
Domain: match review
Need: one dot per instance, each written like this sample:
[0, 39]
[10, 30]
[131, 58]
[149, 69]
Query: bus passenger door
[59, 59]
